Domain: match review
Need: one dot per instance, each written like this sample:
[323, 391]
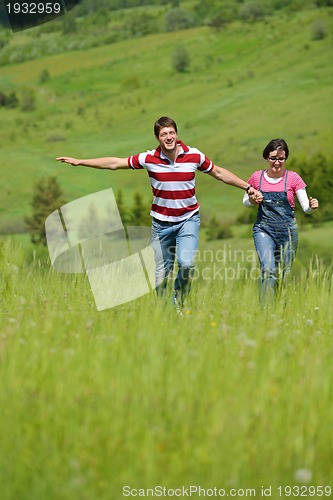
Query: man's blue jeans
[276, 246]
[175, 240]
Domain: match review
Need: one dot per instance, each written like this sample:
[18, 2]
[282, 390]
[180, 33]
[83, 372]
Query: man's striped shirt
[173, 183]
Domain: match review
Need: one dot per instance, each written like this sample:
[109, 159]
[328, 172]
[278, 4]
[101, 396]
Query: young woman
[275, 231]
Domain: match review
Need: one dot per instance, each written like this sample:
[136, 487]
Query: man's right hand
[67, 159]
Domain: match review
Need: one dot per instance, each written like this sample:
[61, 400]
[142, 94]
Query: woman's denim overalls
[275, 238]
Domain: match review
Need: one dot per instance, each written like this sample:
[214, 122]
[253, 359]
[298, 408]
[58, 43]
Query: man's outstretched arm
[109, 163]
[224, 175]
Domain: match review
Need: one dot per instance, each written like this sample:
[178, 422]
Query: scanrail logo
[87, 236]
[23, 14]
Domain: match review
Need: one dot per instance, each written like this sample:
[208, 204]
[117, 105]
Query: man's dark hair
[164, 121]
[275, 145]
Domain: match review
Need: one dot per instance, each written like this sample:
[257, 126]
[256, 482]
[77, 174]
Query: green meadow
[229, 395]
[245, 84]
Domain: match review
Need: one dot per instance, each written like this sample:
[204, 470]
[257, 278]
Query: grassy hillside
[245, 85]
[229, 395]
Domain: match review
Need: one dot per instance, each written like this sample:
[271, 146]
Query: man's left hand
[255, 196]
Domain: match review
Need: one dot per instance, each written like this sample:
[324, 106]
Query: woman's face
[276, 161]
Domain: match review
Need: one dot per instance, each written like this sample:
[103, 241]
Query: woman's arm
[247, 202]
[309, 205]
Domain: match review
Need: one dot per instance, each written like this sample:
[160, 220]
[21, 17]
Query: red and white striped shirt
[173, 183]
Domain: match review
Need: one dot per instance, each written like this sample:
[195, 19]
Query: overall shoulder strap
[260, 180]
[286, 180]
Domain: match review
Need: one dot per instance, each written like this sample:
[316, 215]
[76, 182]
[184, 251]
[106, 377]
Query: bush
[142, 24]
[69, 25]
[44, 76]
[317, 172]
[10, 101]
[3, 42]
[217, 22]
[218, 230]
[247, 216]
[324, 3]
[180, 59]
[178, 19]
[28, 102]
[251, 11]
[224, 14]
[3, 99]
[319, 31]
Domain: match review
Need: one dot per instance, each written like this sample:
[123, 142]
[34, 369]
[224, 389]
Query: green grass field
[228, 395]
[245, 85]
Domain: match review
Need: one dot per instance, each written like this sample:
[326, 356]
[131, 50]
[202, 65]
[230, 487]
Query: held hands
[255, 196]
[67, 159]
[313, 203]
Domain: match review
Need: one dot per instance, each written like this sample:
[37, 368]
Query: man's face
[167, 139]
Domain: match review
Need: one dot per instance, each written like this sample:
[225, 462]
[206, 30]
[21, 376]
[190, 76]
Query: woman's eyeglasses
[275, 158]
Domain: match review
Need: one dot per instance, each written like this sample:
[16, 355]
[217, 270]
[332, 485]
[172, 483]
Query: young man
[175, 211]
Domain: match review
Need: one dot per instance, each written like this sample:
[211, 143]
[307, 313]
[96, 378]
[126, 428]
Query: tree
[251, 11]
[140, 211]
[317, 172]
[69, 25]
[28, 102]
[125, 217]
[91, 224]
[178, 19]
[180, 59]
[141, 24]
[47, 197]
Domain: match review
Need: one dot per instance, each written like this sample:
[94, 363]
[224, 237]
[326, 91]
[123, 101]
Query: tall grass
[227, 395]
